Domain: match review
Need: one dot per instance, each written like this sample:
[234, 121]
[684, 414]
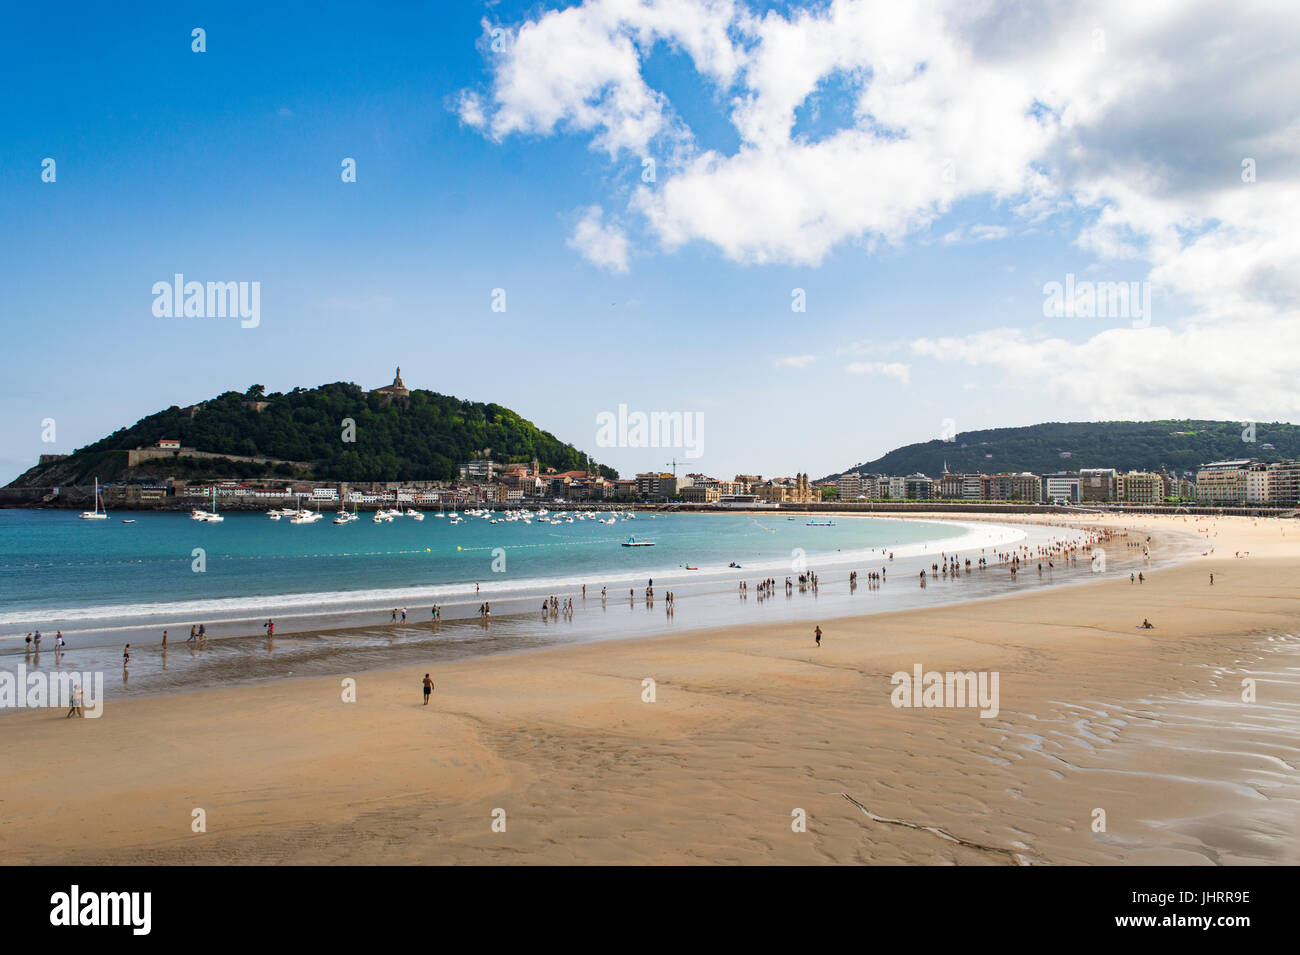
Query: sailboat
[96, 514]
[307, 517]
[198, 514]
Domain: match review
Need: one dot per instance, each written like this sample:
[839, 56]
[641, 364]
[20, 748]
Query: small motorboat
[633, 542]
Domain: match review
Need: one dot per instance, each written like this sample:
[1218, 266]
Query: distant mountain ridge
[399, 435]
[1067, 446]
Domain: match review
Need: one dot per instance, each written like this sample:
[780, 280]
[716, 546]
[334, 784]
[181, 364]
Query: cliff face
[68, 470]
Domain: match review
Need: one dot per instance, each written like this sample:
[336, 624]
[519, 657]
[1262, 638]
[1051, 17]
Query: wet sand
[749, 725]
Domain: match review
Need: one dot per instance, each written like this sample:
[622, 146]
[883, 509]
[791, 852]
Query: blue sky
[924, 302]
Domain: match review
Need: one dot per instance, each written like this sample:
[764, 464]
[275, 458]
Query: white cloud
[469, 107]
[897, 370]
[795, 361]
[600, 244]
[1133, 138]
[976, 233]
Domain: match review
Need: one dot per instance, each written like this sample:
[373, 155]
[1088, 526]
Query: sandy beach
[749, 726]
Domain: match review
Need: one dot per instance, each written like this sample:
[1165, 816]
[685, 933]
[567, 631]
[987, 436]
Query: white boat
[307, 517]
[211, 517]
[96, 514]
[273, 515]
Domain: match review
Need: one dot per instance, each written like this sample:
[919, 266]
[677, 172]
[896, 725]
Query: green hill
[1068, 446]
[425, 436]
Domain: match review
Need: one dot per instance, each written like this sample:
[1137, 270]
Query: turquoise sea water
[58, 570]
[332, 589]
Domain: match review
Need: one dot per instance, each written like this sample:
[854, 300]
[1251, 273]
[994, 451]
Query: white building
[1258, 484]
[1062, 488]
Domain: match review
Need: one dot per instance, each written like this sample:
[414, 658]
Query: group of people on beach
[34, 642]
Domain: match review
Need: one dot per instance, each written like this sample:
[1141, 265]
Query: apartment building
[710, 493]
[1097, 485]
[918, 487]
[1061, 488]
[1139, 487]
[1259, 484]
[959, 487]
[1222, 482]
[850, 486]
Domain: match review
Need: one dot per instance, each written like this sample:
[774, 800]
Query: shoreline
[313, 610]
[750, 722]
[374, 643]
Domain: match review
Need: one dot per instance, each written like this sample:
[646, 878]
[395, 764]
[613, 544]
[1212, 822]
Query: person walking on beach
[394, 617]
[428, 688]
[817, 633]
[194, 634]
[270, 629]
[75, 708]
[164, 639]
[403, 615]
[126, 656]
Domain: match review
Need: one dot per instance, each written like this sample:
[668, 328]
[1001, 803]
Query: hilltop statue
[395, 390]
